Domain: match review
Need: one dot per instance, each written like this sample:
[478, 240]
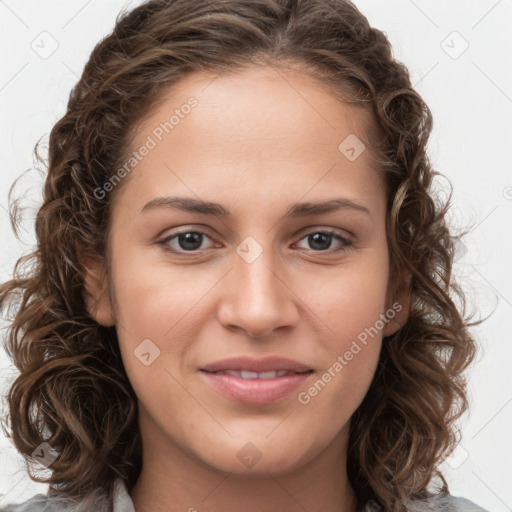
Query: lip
[255, 391]
[256, 365]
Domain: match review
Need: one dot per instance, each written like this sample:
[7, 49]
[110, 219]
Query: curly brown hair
[72, 390]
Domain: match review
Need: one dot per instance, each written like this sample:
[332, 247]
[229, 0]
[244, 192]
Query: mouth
[248, 375]
[256, 382]
[254, 365]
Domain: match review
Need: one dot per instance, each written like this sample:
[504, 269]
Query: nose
[259, 300]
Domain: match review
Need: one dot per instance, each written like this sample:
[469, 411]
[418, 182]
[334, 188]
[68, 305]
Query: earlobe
[398, 307]
[96, 292]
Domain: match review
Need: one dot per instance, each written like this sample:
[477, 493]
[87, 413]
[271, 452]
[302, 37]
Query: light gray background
[470, 95]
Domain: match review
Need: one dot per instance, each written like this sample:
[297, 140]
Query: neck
[174, 481]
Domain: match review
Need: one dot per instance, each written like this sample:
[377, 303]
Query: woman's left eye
[191, 241]
[322, 238]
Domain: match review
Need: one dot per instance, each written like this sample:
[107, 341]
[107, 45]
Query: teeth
[257, 375]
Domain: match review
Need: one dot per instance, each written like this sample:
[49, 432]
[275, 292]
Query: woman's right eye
[184, 241]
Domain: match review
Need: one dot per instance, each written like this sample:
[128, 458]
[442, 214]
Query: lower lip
[255, 391]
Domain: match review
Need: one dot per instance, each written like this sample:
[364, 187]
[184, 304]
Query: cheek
[338, 390]
[152, 296]
[350, 300]
[159, 310]
[154, 311]
[350, 305]
[351, 347]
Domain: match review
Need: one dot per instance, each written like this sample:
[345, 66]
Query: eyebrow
[305, 209]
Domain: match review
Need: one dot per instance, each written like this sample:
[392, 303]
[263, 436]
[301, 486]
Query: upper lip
[266, 364]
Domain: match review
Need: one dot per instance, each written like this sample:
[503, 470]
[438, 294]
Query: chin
[258, 458]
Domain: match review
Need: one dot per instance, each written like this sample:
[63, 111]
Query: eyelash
[346, 243]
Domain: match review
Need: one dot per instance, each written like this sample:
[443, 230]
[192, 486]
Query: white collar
[122, 500]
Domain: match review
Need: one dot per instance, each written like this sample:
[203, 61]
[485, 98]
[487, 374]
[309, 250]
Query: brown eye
[185, 241]
[321, 240]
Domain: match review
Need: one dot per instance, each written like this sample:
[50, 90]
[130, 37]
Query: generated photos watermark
[150, 143]
[305, 397]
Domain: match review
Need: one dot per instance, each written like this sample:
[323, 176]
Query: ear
[398, 302]
[96, 292]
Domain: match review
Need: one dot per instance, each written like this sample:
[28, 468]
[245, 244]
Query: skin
[257, 142]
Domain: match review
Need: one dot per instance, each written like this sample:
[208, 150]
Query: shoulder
[458, 503]
[38, 503]
[446, 503]
[97, 501]
[439, 503]
[60, 503]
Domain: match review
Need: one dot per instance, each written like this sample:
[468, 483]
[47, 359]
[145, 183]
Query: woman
[241, 296]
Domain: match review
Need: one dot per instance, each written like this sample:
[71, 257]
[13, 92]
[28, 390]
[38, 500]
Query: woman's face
[264, 281]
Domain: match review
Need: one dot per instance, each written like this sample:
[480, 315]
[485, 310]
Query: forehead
[264, 101]
[263, 127]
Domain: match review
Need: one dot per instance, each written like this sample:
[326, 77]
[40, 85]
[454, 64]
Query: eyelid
[326, 229]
